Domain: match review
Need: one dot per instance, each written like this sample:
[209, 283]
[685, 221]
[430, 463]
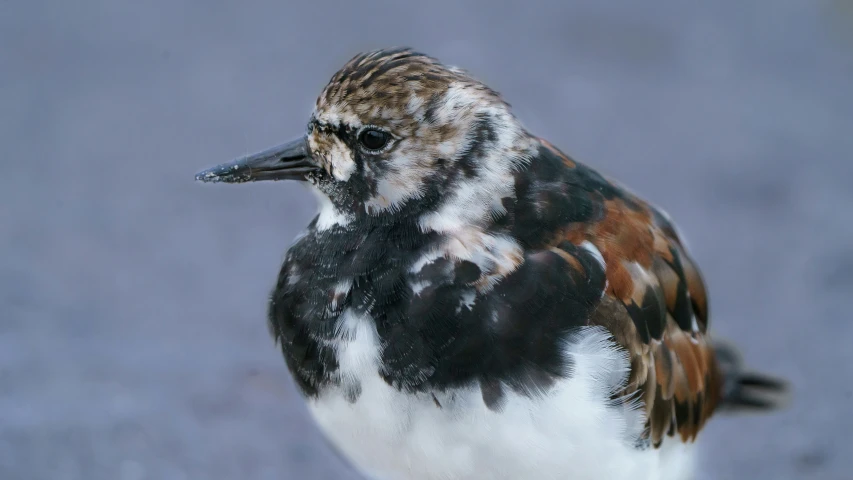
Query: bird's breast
[571, 431]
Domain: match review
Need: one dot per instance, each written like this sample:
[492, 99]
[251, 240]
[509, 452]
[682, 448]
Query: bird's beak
[289, 161]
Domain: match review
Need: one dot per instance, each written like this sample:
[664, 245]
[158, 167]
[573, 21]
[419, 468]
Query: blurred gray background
[133, 343]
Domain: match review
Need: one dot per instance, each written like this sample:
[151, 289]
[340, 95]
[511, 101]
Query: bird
[470, 302]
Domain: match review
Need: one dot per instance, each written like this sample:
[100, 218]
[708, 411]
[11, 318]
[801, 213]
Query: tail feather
[744, 390]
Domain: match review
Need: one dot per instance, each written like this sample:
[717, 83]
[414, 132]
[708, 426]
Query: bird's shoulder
[653, 300]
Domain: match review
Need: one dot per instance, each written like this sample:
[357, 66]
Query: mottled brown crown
[393, 78]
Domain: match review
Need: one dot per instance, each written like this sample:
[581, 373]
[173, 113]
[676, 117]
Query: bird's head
[396, 132]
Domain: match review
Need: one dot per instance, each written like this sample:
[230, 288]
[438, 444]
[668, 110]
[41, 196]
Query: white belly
[568, 433]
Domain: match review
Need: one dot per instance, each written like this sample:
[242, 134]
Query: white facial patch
[402, 182]
[329, 215]
[479, 199]
[341, 161]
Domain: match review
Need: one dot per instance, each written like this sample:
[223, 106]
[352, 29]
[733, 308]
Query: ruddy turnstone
[472, 303]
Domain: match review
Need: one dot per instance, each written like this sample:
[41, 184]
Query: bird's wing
[654, 304]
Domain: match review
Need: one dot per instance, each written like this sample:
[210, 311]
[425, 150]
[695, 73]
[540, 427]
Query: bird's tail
[744, 390]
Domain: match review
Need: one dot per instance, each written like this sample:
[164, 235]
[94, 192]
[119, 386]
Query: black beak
[289, 161]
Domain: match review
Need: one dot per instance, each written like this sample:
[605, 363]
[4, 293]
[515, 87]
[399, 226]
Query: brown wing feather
[655, 306]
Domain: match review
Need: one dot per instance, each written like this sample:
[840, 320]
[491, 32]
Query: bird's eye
[373, 139]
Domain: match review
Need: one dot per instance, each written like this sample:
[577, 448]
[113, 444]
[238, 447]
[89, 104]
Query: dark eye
[373, 139]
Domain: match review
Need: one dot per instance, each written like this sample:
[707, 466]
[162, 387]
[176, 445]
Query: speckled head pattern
[447, 132]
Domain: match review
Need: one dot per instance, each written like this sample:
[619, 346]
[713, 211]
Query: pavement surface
[132, 336]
